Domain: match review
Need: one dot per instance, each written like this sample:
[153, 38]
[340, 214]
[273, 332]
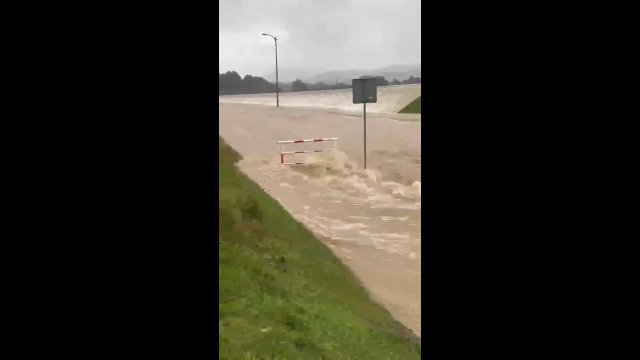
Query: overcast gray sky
[321, 35]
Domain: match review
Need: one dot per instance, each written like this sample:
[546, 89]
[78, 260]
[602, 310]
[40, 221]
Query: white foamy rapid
[328, 192]
[391, 99]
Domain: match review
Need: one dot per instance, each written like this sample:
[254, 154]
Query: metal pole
[365, 136]
[277, 90]
[275, 39]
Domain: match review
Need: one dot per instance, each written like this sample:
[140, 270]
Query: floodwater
[369, 218]
[391, 99]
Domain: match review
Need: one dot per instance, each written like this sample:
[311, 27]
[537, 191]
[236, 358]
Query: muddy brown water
[369, 219]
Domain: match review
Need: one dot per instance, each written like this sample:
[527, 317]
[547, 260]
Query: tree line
[231, 83]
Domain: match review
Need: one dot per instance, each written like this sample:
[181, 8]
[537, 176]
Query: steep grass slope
[282, 292]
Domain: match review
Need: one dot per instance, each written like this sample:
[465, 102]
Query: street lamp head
[264, 34]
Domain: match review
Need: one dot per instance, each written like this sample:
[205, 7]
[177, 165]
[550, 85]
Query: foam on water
[391, 99]
[342, 201]
[343, 177]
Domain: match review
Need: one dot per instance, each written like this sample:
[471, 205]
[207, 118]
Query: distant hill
[391, 72]
[286, 74]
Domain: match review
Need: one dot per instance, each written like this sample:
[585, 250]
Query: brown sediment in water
[370, 219]
[390, 279]
[391, 99]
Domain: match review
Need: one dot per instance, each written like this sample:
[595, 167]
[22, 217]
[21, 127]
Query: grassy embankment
[283, 294]
[413, 107]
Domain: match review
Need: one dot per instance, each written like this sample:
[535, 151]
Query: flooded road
[369, 218]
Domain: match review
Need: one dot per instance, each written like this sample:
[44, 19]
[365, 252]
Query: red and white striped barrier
[283, 153]
[306, 140]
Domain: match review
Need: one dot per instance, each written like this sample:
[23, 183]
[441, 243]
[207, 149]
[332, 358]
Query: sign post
[365, 91]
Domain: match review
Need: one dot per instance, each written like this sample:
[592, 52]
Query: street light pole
[277, 90]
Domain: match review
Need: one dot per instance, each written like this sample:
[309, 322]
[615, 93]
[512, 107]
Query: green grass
[413, 107]
[283, 294]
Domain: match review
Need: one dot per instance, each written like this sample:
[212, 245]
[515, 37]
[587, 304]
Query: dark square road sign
[365, 91]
